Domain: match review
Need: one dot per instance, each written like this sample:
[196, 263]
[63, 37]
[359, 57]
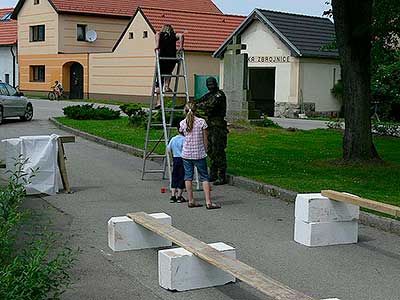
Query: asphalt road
[107, 183]
[300, 123]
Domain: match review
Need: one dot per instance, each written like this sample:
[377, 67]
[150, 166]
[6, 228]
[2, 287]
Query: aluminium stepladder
[150, 143]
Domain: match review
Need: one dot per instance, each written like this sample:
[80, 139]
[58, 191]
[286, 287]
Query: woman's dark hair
[178, 127]
[168, 29]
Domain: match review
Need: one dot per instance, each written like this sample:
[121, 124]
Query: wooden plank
[67, 139]
[236, 268]
[363, 202]
[62, 166]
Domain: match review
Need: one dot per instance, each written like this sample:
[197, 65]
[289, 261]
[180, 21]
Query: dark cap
[212, 80]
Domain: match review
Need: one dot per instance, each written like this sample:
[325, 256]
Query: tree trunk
[353, 21]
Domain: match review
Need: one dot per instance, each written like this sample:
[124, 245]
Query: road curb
[382, 223]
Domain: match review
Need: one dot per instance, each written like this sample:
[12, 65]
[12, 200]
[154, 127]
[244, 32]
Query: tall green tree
[353, 21]
[386, 58]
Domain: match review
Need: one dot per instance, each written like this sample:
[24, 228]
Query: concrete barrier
[124, 234]
[320, 221]
[180, 270]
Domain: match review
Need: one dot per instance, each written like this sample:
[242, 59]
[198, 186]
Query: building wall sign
[269, 59]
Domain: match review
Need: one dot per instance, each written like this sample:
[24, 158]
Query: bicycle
[55, 94]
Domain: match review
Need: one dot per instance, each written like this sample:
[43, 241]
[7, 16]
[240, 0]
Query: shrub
[337, 90]
[131, 109]
[140, 118]
[385, 87]
[36, 272]
[11, 197]
[386, 128]
[89, 112]
[136, 114]
[269, 123]
[33, 275]
[336, 124]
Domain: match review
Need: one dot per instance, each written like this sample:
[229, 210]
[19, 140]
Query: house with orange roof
[105, 48]
[8, 48]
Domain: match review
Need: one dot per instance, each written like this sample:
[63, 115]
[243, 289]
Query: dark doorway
[76, 81]
[262, 89]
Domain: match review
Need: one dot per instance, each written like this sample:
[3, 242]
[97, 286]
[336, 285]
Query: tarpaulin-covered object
[41, 153]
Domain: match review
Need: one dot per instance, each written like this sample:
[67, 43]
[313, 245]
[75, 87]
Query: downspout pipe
[14, 61]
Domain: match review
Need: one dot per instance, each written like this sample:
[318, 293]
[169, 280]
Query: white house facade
[8, 48]
[8, 64]
[289, 70]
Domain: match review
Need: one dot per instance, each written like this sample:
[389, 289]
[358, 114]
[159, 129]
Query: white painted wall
[311, 78]
[6, 64]
[317, 80]
[261, 41]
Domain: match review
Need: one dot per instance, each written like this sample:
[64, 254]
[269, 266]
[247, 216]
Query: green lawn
[303, 161]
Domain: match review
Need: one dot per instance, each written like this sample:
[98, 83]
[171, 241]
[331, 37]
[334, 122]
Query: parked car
[14, 104]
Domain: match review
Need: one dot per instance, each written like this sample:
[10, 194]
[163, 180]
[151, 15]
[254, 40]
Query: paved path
[107, 183]
[300, 123]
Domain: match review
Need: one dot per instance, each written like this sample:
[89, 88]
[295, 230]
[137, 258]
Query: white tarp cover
[42, 153]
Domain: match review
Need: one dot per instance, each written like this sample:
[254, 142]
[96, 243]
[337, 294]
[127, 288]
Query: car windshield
[3, 90]
[11, 90]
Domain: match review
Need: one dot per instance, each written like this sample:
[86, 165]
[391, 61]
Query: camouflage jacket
[214, 107]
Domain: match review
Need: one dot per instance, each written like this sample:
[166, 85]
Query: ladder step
[161, 125]
[175, 93]
[174, 109]
[171, 58]
[156, 141]
[169, 110]
[169, 75]
[154, 171]
[156, 156]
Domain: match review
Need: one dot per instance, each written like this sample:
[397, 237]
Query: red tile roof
[8, 29]
[203, 31]
[128, 7]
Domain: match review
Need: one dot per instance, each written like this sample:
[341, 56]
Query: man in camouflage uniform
[214, 106]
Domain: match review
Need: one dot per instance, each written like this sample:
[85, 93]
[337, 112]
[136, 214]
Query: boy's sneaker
[172, 199]
[181, 199]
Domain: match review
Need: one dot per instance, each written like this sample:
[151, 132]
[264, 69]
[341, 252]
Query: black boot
[221, 180]
[213, 176]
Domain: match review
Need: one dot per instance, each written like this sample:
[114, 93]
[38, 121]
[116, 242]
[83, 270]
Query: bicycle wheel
[52, 96]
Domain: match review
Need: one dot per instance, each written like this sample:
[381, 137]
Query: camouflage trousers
[217, 142]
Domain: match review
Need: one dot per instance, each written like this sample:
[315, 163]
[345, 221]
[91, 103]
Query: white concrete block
[317, 208]
[180, 270]
[325, 234]
[124, 234]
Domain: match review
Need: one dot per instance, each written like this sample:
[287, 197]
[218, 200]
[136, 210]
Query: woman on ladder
[166, 45]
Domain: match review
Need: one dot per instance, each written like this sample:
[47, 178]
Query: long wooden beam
[363, 202]
[236, 268]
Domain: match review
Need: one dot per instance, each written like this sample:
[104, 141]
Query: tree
[353, 20]
[386, 58]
